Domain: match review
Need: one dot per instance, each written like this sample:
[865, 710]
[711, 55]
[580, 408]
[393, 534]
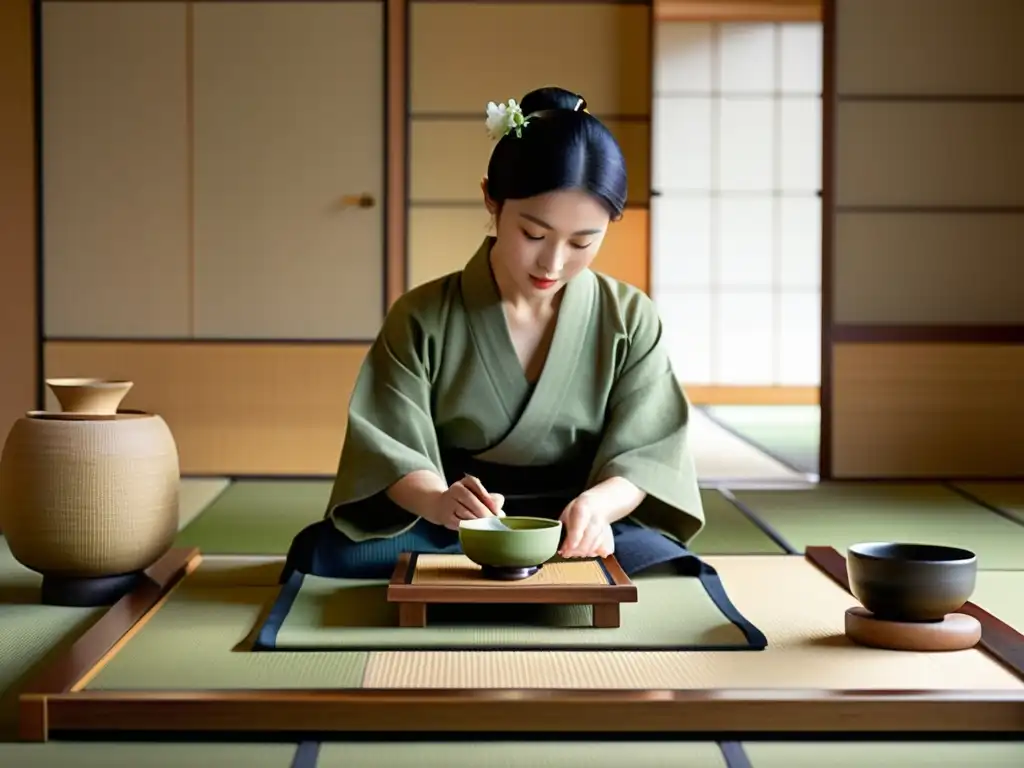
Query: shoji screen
[198, 161]
[736, 250]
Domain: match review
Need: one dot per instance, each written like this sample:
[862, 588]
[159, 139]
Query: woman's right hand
[466, 500]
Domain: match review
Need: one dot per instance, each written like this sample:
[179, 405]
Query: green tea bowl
[911, 582]
[510, 542]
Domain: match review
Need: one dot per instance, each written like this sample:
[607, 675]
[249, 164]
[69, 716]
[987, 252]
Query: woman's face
[545, 241]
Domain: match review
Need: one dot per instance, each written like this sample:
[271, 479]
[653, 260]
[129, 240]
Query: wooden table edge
[50, 704]
[71, 670]
[440, 711]
[998, 639]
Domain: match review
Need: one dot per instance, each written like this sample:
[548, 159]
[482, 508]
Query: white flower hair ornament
[502, 119]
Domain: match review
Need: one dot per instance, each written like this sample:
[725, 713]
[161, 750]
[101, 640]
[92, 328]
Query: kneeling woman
[523, 384]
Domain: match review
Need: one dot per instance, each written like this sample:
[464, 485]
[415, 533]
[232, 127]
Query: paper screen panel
[928, 268]
[916, 154]
[930, 47]
[115, 169]
[284, 130]
[927, 410]
[234, 409]
[464, 55]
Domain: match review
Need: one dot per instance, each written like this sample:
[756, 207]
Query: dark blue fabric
[322, 550]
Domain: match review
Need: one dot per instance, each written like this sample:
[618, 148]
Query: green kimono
[442, 389]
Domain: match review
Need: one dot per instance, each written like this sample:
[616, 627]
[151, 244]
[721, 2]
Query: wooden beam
[753, 395]
[737, 10]
[396, 99]
[19, 343]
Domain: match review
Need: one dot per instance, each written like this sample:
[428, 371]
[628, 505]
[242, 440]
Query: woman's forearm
[615, 498]
[418, 493]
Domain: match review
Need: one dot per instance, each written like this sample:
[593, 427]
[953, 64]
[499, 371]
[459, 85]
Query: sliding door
[213, 177]
[924, 231]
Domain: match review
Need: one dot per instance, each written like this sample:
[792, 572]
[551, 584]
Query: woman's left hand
[587, 530]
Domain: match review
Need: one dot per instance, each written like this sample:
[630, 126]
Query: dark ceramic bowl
[911, 582]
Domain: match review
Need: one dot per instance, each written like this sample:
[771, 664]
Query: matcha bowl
[510, 548]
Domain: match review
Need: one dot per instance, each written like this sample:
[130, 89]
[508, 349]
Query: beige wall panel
[928, 268]
[233, 408]
[930, 46]
[929, 154]
[17, 216]
[442, 240]
[927, 410]
[448, 158]
[115, 176]
[464, 55]
[288, 121]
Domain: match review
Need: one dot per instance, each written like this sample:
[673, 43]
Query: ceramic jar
[89, 494]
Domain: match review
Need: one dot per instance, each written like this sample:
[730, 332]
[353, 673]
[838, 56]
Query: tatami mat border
[765, 528]
[307, 754]
[982, 503]
[734, 755]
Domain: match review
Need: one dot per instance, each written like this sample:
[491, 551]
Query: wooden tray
[421, 579]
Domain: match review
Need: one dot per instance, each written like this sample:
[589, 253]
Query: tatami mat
[669, 613]
[885, 755]
[1001, 593]
[30, 633]
[257, 517]
[262, 517]
[58, 754]
[198, 640]
[721, 455]
[728, 531]
[790, 433]
[1008, 497]
[197, 494]
[522, 754]
[841, 514]
[807, 648]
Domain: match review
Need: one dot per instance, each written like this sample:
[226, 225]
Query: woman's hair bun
[552, 98]
[554, 144]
